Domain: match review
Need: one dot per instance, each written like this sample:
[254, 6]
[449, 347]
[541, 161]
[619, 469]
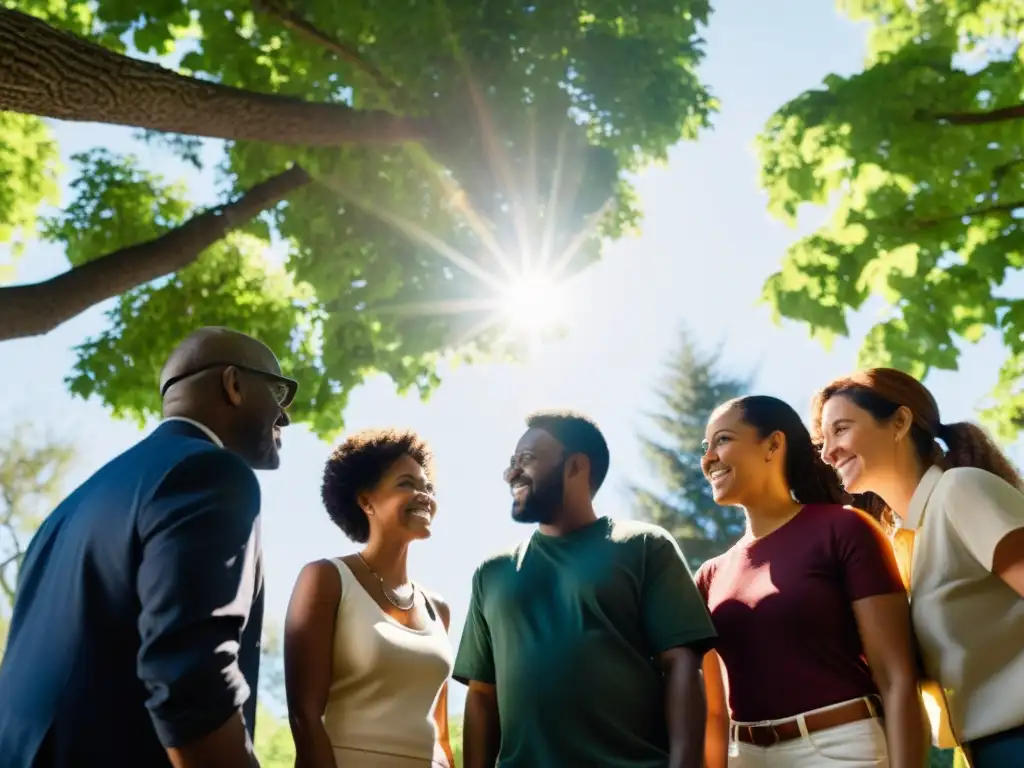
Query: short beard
[544, 500]
[259, 446]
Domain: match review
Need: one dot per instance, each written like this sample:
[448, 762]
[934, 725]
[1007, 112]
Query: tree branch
[50, 73]
[13, 558]
[30, 310]
[1000, 171]
[989, 210]
[1015, 112]
[5, 587]
[9, 506]
[293, 21]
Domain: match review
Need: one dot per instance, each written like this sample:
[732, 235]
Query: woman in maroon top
[813, 623]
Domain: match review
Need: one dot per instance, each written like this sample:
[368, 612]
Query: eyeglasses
[525, 458]
[282, 388]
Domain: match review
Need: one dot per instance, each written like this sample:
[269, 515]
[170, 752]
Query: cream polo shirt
[969, 622]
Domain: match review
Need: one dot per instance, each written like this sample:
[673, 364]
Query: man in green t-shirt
[588, 637]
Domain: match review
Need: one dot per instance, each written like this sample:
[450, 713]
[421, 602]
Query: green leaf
[928, 199]
[232, 284]
[29, 166]
[540, 114]
[116, 205]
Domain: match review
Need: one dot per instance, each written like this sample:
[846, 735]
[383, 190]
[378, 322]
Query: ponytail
[810, 479]
[967, 445]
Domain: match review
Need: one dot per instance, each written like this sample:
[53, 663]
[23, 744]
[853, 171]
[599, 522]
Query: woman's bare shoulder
[320, 577]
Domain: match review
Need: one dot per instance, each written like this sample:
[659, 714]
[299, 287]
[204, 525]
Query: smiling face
[402, 504]
[263, 418]
[735, 460]
[536, 478]
[862, 449]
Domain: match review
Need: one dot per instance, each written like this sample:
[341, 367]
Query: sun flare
[523, 300]
[532, 303]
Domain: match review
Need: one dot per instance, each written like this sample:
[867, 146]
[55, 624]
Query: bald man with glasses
[136, 627]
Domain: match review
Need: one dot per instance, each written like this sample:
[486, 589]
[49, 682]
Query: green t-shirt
[567, 628]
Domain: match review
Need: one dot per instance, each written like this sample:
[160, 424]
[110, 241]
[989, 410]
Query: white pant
[860, 744]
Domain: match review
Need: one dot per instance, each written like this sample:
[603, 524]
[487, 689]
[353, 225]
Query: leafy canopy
[29, 167]
[922, 157]
[539, 110]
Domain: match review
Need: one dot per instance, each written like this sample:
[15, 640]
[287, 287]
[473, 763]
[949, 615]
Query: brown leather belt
[788, 730]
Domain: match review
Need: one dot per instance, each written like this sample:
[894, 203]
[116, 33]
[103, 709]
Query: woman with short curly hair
[367, 656]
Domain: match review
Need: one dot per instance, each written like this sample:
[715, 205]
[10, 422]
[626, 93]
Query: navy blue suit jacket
[139, 609]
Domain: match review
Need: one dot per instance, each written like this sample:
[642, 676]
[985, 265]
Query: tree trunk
[38, 308]
[50, 73]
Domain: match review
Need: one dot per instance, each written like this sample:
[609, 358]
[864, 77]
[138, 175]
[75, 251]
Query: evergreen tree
[693, 387]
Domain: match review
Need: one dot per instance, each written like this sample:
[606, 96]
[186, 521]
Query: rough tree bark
[50, 73]
[31, 310]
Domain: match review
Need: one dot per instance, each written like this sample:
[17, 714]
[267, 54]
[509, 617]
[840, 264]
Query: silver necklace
[391, 595]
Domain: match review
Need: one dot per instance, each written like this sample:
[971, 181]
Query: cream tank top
[385, 681]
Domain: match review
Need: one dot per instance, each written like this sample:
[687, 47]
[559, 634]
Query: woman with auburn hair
[961, 515]
[812, 618]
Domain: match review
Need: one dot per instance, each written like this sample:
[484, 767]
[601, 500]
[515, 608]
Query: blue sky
[706, 247]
